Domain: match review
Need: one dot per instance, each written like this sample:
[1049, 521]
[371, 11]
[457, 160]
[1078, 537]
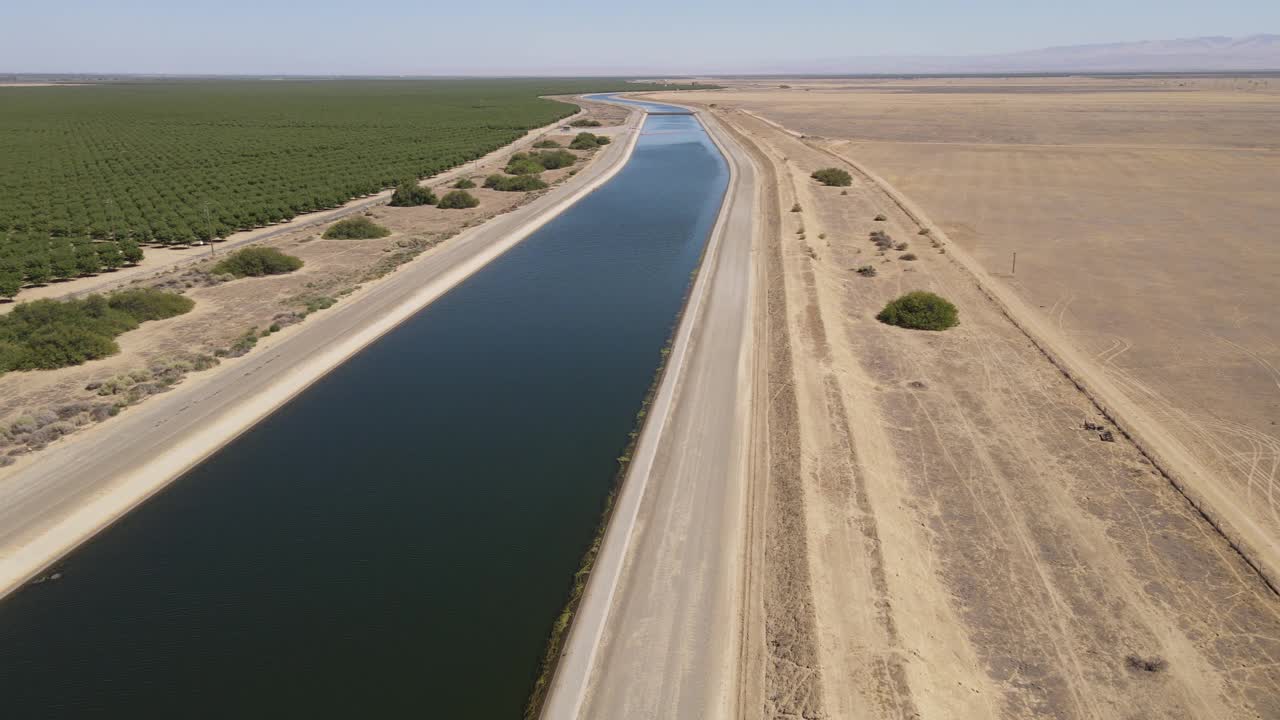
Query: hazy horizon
[573, 38]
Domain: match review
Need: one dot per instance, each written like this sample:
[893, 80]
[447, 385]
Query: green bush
[47, 334]
[143, 304]
[256, 262]
[546, 144]
[555, 159]
[587, 141]
[920, 310]
[517, 183]
[464, 184]
[833, 177]
[410, 194]
[585, 122]
[458, 200]
[356, 228]
[534, 163]
[523, 164]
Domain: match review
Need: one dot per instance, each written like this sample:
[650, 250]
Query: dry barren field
[943, 538]
[1143, 214]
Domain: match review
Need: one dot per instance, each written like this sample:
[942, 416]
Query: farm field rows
[92, 172]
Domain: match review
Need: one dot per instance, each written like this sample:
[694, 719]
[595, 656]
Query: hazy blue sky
[510, 36]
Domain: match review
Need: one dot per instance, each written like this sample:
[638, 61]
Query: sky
[570, 37]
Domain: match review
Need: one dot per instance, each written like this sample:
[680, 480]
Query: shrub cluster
[464, 184]
[457, 200]
[533, 163]
[522, 164]
[256, 262]
[47, 334]
[833, 177]
[410, 194]
[585, 122]
[356, 228]
[517, 183]
[587, 141]
[555, 159]
[546, 144]
[920, 310]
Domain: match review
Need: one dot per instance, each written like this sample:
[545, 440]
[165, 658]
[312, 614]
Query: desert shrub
[585, 122]
[464, 184]
[319, 303]
[587, 141]
[907, 256]
[457, 200]
[881, 239]
[602, 140]
[833, 177]
[517, 183]
[924, 231]
[1152, 664]
[410, 194]
[523, 164]
[555, 159]
[256, 262]
[880, 218]
[47, 334]
[866, 271]
[546, 144]
[920, 310]
[534, 163]
[795, 207]
[900, 246]
[143, 304]
[356, 228]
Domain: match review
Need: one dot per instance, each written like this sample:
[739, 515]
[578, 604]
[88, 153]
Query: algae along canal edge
[399, 537]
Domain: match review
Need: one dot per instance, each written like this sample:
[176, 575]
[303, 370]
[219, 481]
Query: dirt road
[84, 483]
[943, 537]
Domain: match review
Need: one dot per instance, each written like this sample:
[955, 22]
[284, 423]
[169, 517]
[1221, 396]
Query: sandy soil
[942, 537]
[226, 311]
[1140, 211]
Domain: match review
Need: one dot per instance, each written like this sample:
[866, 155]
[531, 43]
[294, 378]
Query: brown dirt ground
[226, 311]
[1140, 210]
[943, 539]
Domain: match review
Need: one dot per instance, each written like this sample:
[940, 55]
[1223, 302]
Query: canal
[398, 539]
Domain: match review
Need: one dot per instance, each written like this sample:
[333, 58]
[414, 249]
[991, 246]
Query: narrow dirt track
[943, 538]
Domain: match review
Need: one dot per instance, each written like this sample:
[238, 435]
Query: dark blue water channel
[397, 540]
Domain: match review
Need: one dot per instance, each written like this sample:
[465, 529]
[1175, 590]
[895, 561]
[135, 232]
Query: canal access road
[658, 633]
[73, 490]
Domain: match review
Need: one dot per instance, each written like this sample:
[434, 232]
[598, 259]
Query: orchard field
[91, 173]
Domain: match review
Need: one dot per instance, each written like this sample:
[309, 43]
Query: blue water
[397, 540]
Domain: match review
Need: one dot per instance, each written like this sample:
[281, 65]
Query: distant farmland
[91, 171]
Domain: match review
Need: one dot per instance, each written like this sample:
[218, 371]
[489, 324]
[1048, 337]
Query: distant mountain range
[1255, 52]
